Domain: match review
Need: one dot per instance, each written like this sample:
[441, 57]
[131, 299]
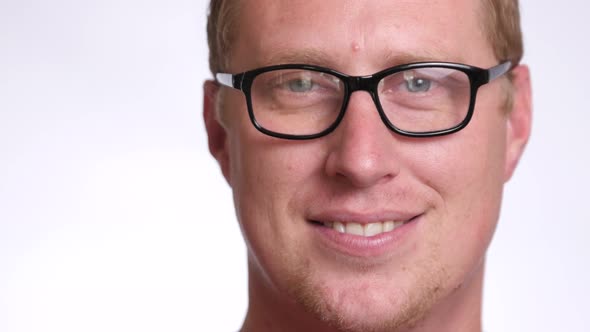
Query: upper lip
[362, 217]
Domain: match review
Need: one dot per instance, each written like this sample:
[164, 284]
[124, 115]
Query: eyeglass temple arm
[229, 80]
[499, 70]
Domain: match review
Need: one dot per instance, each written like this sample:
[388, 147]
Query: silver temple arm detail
[225, 79]
[499, 70]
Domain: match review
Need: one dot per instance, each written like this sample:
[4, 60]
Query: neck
[269, 310]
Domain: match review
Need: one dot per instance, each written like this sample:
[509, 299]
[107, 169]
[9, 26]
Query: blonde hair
[220, 25]
[501, 24]
[500, 21]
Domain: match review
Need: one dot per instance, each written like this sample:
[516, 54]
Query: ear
[216, 132]
[519, 119]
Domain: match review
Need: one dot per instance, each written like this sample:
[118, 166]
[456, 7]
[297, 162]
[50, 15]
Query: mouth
[363, 229]
[365, 237]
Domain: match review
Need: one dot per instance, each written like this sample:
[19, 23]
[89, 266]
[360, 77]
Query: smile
[364, 236]
[366, 230]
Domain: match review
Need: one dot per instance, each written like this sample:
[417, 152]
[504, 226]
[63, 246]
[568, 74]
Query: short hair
[500, 22]
[220, 25]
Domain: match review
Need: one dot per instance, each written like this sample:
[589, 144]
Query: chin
[366, 304]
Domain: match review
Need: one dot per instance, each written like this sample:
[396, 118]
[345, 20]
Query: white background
[113, 217]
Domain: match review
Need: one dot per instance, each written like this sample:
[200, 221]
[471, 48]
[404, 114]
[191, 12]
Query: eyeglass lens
[307, 102]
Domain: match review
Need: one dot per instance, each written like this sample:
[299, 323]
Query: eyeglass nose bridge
[364, 83]
[361, 83]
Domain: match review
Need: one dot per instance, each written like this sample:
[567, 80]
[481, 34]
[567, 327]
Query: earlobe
[519, 119]
[216, 132]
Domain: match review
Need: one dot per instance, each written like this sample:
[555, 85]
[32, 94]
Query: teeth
[388, 226]
[366, 230]
[355, 229]
[339, 227]
[373, 229]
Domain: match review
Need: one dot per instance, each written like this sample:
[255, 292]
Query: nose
[362, 150]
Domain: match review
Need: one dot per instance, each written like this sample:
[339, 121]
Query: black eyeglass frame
[477, 77]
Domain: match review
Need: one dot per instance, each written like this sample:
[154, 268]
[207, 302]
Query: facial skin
[429, 277]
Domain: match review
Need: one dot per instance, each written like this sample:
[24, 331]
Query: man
[367, 176]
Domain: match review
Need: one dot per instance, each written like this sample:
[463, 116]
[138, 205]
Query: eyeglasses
[298, 101]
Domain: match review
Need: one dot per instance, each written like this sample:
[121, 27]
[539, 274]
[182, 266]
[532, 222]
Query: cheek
[467, 168]
[271, 169]
[464, 172]
[258, 161]
[268, 175]
[271, 177]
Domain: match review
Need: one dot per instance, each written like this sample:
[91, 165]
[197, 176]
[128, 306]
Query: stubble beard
[400, 314]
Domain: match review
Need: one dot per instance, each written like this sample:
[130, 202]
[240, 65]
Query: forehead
[372, 34]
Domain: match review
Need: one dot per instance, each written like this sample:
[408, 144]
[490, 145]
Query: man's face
[446, 189]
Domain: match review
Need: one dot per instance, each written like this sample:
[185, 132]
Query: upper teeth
[366, 230]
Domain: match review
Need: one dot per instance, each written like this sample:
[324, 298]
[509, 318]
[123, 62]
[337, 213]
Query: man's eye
[416, 84]
[300, 85]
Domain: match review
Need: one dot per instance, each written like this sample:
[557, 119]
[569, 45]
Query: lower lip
[360, 246]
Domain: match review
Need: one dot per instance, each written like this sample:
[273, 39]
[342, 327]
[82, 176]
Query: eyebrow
[306, 55]
[395, 58]
[318, 57]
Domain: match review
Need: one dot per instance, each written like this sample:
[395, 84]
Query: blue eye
[300, 85]
[416, 84]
